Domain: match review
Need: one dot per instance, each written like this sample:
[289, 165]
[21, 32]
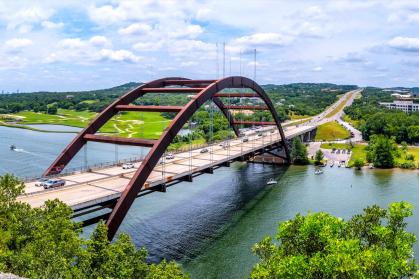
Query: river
[209, 226]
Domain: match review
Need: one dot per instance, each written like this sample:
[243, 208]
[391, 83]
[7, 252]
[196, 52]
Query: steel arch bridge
[205, 89]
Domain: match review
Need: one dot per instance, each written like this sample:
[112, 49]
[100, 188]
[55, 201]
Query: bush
[369, 245]
[358, 164]
[406, 165]
[410, 157]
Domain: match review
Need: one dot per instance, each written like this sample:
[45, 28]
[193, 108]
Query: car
[40, 182]
[338, 140]
[272, 131]
[222, 143]
[245, 139]
[258, 127]
[170, 156]
[128, 166]
[264, 134]
[204, 150]
[260, 134]
[53, 183]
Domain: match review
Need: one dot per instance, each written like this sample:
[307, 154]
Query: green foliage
[323, 246]
[52, 109]
[406, 165]
[380, 120]
[44, 243]
[299, 152]
[410, 157]
[383, 152]
[358, 163]
[319, 157]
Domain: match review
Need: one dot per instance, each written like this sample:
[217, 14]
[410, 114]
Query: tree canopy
[44, 243]
[370, 245]
[299, 152]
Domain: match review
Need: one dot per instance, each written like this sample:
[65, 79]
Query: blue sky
[82, 45]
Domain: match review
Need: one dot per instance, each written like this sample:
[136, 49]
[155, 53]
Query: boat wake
[22, 150]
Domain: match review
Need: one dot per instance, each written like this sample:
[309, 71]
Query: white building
[406, 106]
[279, 104]
[291, 106]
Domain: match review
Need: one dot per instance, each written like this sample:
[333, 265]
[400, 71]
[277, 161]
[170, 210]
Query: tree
[322, 246]
[52, 109]
[299, 152]
[319, 157]
[383, 152]
[358, 163]
[44, 243]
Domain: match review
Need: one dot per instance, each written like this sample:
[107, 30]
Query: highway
[105, 184]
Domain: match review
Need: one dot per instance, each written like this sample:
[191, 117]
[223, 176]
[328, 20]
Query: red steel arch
[206, 89]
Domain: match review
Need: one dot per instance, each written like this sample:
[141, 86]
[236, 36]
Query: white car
[170, 156]
[40, 182]
[128, 166]
[222, 143]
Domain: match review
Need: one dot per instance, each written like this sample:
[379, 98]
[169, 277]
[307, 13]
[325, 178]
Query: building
[406, 106]
[2, 92]
[291, 106]
[251, 99]
[282, 100]
[245, 112]
[279, 104]
[190, 96]
[70, 96]
[17, 91]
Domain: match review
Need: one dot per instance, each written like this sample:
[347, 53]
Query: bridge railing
[93, 167]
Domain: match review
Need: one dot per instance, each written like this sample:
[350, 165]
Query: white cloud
[405, 44]
[108, 55]
[352, 57]
[189, 64]
[26, 15]
[135, 29]
[71, 43]
[52, 25]
[17, 45]
[191, 31]
[26, 28]
[265, 40]
[167, 69]
[54, 58]
[99, 41]
[318, 69]
[412, 79]
[204, 14]
[259, 64]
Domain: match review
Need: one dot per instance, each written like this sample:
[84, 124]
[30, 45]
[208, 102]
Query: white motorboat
[318, 172]
[271, 181]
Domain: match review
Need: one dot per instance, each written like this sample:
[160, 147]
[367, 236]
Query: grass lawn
[127, 125]
[358, 96]
[331, 131]
[356, 152]
[336, 110]
[297, 123]
[349, 120]
[296, 117]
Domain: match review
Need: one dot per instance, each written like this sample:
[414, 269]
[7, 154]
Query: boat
[332, 163]
[271, 181]
[318, 172]
[371, 166]
[12, 147]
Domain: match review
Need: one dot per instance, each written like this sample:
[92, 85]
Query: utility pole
[216, 63]
[240, 62]
[224, 59]
[255, 68]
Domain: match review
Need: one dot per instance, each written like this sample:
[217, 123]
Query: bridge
[112, 191]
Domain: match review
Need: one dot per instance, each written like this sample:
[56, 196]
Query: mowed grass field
[331, 131]
[131, 124]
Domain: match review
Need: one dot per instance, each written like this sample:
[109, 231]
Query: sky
[84, 45]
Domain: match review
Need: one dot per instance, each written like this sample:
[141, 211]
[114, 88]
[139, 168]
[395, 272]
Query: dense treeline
[306, 98]
[375, 119]
[44, 243]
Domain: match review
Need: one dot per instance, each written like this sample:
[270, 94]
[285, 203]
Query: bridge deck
[108, 184]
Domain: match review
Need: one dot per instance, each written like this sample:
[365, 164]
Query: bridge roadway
[90, 188]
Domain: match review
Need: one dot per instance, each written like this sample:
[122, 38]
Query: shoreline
[37, 130]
